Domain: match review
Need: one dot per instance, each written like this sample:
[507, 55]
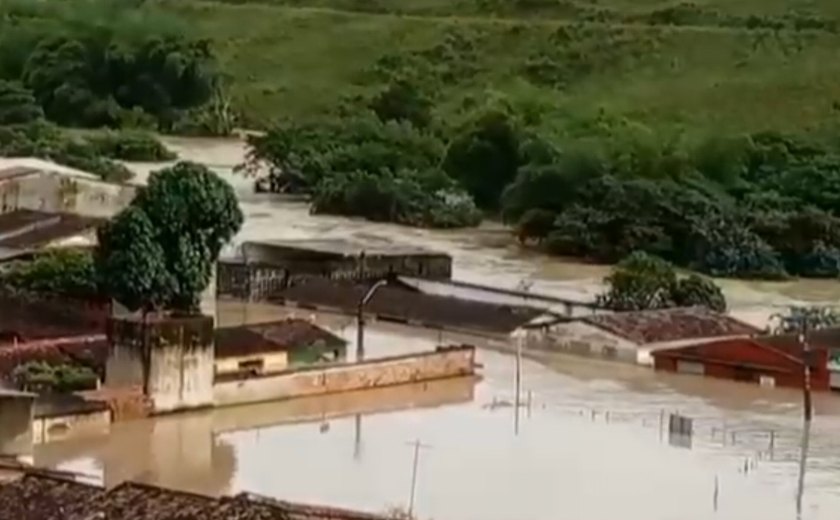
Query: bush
[46, 141]
[130, 145]
[642, 282]
[61, 378]
[67, 272]
[17, 104]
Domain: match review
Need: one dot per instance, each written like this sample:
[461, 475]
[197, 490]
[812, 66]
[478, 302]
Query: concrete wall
[443, 363]
[50, 429]
[272, 362]
[176, 362]
[16, 423]
[57, 192]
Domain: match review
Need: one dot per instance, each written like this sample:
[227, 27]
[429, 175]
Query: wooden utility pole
[806, 369]
[417, 445]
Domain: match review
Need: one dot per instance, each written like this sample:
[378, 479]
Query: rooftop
[270, 337]
[36, 165]
[89, 350]
[656, 326]
[24, 230]
[37, 496]
[403, 305]
[41, 497]
[36, 316]
[337, 248]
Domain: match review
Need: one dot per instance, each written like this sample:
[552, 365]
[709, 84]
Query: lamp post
[360, 318]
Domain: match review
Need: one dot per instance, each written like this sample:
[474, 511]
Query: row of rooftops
[230, 342]
[43, 495]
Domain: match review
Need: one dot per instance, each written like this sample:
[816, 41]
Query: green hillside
[736, 64]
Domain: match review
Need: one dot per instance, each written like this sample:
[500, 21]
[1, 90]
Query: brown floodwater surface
[592, 440]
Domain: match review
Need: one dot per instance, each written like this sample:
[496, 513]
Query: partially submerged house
[275, 346]
[266, 267]
[769, 360]
[395, 303]
[39, 185]
[633, 336]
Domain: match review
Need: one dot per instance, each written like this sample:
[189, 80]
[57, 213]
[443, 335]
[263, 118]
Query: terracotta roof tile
[133, 501]
[643, 327]
[298, 511]
[41, 497]
[90, 351]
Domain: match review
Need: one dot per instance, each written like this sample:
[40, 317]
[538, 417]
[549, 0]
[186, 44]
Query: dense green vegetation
[130, 145]
[106, 63]
[66, 272]
[37, 376]
[159, 253]
[703, 133]
[643, 282]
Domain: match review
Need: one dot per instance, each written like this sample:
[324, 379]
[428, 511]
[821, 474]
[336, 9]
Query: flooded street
[592, 441]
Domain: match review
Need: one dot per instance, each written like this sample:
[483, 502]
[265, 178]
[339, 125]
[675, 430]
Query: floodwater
[591, 440]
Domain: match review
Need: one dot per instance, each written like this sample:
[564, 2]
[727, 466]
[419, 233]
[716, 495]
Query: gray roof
[342, 248]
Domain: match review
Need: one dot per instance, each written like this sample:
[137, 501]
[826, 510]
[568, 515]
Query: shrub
[130, 145]
[67, 272]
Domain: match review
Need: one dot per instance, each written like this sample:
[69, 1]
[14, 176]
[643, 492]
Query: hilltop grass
[303, 61]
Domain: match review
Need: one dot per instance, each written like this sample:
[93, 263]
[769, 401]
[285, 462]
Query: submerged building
[263, 268]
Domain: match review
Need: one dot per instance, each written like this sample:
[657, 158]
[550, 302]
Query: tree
[640, 282]
[131, 262]
[809, 318]
[17, 104]
[485, 157]
[695, 290]
[160, 251]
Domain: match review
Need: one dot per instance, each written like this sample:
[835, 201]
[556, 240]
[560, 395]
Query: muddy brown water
[592, 442]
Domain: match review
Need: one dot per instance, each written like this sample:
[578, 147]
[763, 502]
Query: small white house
[632, 336]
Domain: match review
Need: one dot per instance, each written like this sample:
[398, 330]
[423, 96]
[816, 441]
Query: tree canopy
[160, 251]
[645, 282]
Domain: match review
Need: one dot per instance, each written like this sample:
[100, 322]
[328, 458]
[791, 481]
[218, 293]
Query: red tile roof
[91, 351]
[643, 327]
[270, 337]
[41, 497]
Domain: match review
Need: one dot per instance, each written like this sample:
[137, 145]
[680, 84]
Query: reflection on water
[592, 445]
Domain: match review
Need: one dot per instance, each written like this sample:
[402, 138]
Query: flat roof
[344, 248]
[18, 165]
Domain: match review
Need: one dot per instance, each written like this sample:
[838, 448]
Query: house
[90, 351]
[274, 346]
[40, 495]
[632, 336]
[265, 267]
[25, 231]
[398, 304]
[766, 361]
[35, 184]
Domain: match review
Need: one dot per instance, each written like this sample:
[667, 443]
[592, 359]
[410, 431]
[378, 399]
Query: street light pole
[806, 370]
[360, 318]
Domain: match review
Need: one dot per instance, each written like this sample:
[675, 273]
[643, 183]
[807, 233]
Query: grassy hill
[701, 67]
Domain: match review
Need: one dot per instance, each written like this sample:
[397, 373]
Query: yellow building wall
[273, 362]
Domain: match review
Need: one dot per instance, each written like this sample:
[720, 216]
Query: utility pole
[806, 370]
[360, 318]
[518, 383]
[417, 445]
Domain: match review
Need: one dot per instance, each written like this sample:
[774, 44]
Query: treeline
[763, 205]
[95, 63]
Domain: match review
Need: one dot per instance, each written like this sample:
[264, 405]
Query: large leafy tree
[159, 253]
[132, 264]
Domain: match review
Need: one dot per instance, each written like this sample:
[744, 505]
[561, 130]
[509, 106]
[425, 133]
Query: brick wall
[443, 363]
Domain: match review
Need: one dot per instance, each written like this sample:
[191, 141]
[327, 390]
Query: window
[252, 366]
